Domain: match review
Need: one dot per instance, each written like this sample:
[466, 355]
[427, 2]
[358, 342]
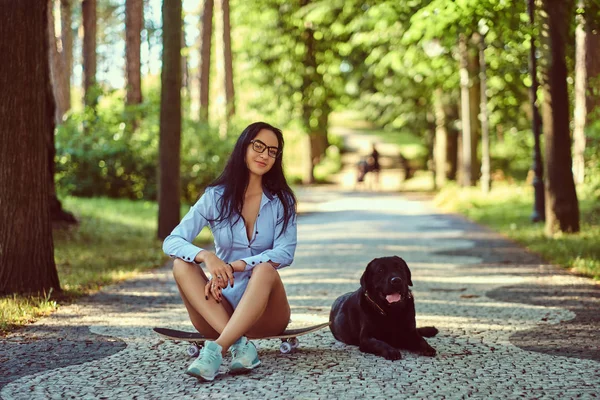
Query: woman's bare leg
[207, 316]
[262, 311]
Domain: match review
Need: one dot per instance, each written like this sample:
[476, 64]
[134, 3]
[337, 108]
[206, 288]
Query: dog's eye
[380, 271]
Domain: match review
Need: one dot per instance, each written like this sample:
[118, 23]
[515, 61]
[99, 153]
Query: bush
[97, 154]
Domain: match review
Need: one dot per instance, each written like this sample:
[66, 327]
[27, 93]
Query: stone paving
[510, 326]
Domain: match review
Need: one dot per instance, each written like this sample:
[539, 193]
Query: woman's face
[258, 162]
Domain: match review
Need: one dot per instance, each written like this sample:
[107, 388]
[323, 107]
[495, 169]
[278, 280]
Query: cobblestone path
[510, 326]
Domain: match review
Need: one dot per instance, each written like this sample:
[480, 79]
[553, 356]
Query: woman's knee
[265, 271]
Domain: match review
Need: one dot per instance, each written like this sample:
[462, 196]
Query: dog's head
[386, 280]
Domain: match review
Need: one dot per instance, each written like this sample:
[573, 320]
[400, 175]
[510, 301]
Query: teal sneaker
[206, 366]
[244, 356]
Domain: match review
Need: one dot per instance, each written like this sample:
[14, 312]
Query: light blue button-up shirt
[268, 242]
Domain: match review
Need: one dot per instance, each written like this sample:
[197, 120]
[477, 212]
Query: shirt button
[252, 262]
[257, 232]
[248, 246]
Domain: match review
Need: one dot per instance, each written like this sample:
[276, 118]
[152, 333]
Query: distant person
[251, 212]
[374, 166]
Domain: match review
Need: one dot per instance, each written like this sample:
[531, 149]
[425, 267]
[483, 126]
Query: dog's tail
[428, 331]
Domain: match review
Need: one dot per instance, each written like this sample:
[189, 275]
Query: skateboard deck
[288, 337]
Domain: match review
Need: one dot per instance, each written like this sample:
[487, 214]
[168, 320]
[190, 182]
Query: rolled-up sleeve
[179, 243]
[284, 244]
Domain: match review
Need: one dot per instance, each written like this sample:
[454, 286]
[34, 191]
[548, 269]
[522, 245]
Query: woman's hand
[221, 275]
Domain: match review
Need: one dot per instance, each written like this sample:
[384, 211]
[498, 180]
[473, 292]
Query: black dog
[380, 316]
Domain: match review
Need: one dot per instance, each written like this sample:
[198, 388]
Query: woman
[251, 211]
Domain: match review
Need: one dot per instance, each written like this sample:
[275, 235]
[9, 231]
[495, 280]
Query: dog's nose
[395, 281]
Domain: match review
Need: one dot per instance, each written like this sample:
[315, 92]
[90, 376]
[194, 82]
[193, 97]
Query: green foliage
[97, 154]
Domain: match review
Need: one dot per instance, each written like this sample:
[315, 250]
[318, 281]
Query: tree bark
[27, 115]
[66, 39]
[229, 88]
[134, 21]
[466, 163]
[587, 81]
[562, 208]
[205, 49]
[88, 9]
[170, 120]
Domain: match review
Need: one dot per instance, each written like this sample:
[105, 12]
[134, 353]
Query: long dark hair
[235, 178]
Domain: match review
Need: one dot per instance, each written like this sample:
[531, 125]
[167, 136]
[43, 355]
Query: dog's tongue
[392, 298]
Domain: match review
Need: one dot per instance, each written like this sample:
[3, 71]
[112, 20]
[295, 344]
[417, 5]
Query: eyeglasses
[260, 147]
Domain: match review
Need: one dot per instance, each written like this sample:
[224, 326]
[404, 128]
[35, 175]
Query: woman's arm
[179, 243]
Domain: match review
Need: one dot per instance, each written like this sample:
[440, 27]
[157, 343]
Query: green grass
[115, 240]
[507, 209]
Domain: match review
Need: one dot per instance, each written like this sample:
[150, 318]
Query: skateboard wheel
[285, 348]
[193, 350]
[294, 342]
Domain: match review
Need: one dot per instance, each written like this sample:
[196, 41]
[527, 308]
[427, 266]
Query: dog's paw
[393, 355]
[428, 351]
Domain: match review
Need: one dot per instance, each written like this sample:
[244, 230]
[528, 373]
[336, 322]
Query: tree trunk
[562, 209]
[474, 105]
[441, 139]
[134, 21]
[27, 115]
[170, 120]
[587, 81]
[66, 38]
[229, 90]
[485, 132]
[59, 78]
[88, 9]
[57, 70]
[205, 49]
[465, 159]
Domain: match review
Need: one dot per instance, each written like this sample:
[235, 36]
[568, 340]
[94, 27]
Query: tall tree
[170, 120]
[58, 69]
[134, 21]
[440, 154]
[587, 80]
[88, 9]
[59, 77]
[485, 134]
[562, 208]
[27, 115]
[466, 176]
[474, 104]
[205, 50]
[229, 88]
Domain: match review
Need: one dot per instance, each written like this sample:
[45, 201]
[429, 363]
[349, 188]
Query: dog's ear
[406, 269]
[365, 276]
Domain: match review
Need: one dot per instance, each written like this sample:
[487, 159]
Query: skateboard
[289, 338]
